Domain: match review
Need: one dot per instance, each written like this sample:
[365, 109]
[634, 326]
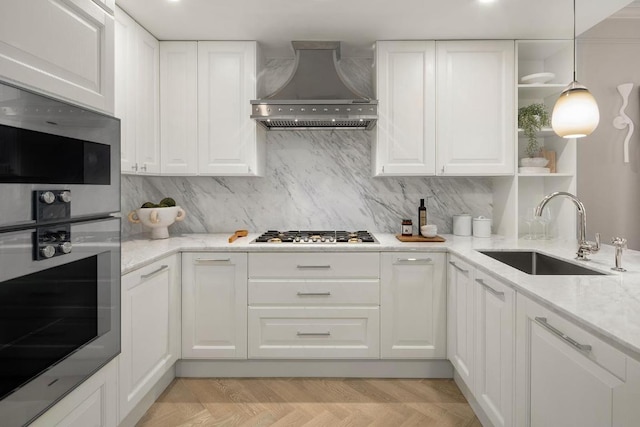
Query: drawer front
[318, 333]
[314, 265]
[600, 353]
[314, 292]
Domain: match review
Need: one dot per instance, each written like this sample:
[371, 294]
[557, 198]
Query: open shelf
[546, 175]
[544, 132]
[538, 91]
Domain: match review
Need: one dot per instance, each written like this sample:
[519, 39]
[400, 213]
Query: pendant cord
[575, 44]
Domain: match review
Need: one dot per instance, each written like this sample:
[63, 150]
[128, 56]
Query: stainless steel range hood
[316, 95]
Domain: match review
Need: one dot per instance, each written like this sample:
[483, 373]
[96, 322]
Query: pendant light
[575, 114]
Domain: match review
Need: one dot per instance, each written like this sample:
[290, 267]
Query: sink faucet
[584, 247]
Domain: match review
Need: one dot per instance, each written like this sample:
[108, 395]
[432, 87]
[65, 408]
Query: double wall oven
[59, 249]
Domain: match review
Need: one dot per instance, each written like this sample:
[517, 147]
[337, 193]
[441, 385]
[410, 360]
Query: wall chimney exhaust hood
[316, 95]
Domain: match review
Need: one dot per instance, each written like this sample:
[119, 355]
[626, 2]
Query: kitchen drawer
[317, 333]
[601, 353]
[314, 265]
[314, 292]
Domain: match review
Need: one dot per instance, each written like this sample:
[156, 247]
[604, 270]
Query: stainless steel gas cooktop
[311, 236]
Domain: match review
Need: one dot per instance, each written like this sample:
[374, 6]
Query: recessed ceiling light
[486, 1]
[174, 1]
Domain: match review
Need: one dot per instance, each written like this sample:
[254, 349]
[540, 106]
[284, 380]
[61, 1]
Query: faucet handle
[619, 242]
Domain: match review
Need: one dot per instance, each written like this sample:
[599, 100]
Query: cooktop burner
[310, 236]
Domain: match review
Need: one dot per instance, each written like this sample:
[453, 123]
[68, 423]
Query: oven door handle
[153, 273]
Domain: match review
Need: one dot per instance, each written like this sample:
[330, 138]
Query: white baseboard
[315, 368]
[482, 416]
[149, 399]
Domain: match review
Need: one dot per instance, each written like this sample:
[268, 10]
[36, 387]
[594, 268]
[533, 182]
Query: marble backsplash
[313, 180]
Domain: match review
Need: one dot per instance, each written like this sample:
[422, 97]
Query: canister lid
[482, 218]
[462, 214]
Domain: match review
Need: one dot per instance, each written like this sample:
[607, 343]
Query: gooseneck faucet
[584, 247]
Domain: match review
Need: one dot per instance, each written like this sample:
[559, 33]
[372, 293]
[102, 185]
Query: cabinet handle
[491, 290]
[414, 260]
[135, 167]
[153, 273]
[213, 259]
[143, 167]
[313, 266]
[313, 334]
[542, 321]
[462, 270]
[315, 294]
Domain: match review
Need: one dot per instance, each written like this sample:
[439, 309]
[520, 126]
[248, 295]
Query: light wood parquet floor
[310, 402]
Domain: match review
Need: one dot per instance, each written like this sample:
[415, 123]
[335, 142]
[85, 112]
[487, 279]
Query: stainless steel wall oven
[59, 249]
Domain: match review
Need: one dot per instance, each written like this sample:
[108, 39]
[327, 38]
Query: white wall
[609, 55]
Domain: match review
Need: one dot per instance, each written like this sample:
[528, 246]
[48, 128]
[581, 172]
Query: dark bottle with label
[422, 214]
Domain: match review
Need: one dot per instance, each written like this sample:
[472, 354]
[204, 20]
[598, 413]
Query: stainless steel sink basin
[538, 264]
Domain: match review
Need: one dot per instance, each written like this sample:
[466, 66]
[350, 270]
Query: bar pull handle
[313, 334]
[153, 273]
[213, 259]
[490, 289]
[542, 321]
[415, 260]
[314, 294]
[309, 267]
[462, 270]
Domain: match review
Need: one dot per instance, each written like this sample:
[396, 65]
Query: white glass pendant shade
[576, 113]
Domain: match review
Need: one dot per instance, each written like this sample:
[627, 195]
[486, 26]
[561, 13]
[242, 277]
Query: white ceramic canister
[481, 227]
[462, 225]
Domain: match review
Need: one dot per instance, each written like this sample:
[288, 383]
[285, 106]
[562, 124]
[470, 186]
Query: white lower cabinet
[314, 305]
[495, 349]
[313, 332]
[94, 403]
[150, 329]
[568, 377]
[461, 319]
[214, 305]
[413, 305]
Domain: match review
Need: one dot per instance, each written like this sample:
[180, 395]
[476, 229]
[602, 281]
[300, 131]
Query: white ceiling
[358, 23]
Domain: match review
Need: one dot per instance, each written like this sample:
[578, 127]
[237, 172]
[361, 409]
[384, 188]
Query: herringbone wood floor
[310, 402]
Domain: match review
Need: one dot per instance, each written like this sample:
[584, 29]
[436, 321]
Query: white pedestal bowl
[157, 219]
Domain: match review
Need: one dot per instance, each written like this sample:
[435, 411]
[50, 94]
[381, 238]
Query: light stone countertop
[608, 306]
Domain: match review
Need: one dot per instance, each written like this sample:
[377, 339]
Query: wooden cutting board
[420, 238]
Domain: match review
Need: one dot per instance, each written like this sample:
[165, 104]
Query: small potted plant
[531, 119]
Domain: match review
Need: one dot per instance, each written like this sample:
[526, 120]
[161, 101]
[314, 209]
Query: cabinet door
[228, 139]
[178, 107]
[495, 349]
[413, 305]
[476, 107]
[568, 377]
[461, 319]
[406, 128]
[214, 305]
[150, 329]
[147, 117]
[93, 403]
[60, 47]
[125, 89]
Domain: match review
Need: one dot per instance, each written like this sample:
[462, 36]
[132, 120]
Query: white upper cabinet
[137, 96]
[63, 48]
[108, 5]
[413, 305]
[179, 107]
[475, 107]
[406, 131]
[229, 142]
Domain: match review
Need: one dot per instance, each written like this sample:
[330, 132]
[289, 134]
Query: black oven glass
[44, 317]
[32, 157]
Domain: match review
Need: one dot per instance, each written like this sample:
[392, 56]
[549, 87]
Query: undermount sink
[538, 264]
